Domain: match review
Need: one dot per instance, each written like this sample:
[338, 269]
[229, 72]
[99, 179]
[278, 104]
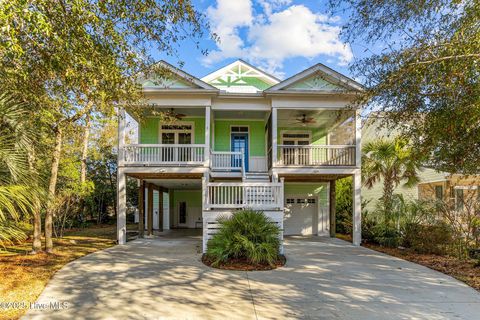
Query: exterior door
[179, 134]
[182, 214]
[240, 144]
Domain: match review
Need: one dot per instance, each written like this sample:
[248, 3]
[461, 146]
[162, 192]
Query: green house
[240, 138]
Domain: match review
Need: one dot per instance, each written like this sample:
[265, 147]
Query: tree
[71, 59]
[426, 73]
[18, 195]
[390, 161]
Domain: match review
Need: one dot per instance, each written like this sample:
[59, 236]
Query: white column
[121, 206]
[358, 139]
[121, 136]
[274, 137]
[357, 208]
[207, 136]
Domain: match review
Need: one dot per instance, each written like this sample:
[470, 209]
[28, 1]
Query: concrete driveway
[323, 279]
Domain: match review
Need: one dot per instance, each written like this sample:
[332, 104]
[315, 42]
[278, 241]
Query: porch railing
[173, 154]
[227, 161]
[232, 195]
[316, 155]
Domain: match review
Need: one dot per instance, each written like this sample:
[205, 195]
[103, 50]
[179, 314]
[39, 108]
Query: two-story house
[241, 138]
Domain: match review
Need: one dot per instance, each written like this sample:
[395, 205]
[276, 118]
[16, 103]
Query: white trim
[221, 71]
[191, 131]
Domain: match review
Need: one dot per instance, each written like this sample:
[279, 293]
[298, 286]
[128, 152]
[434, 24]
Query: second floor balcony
[226, 141]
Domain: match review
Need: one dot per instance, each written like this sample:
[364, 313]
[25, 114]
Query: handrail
[156, 145]
[326, 146]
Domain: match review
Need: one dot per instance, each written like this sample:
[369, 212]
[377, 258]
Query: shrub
[246, 235]
[427, 238]
[386, 235]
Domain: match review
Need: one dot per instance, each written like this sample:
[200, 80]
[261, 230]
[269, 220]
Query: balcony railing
[316, 155]
[227, 161]
[165, 154]
[233, 195]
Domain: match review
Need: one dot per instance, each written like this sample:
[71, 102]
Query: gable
[240, 77]
[168, 82]
[165, 76]
[315, 83]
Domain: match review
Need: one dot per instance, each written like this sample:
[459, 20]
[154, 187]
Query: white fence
[232, 195]
[316, 155]
[173, 154]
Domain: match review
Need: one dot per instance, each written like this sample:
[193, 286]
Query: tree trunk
[86, 135]
[52, 188]
[37, 217]
[388, 198]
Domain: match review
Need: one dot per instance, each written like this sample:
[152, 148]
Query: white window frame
[191, 131]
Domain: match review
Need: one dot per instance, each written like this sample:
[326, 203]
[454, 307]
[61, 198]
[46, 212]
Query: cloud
[280, 31]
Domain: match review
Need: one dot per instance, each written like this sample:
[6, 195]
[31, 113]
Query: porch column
[207, 136]
[141, 209]
[160, 209]
[357, 208]
[121, 206]
[150, 210]
[332, 202]
[274, 137]
[121, 136]
[358, 139]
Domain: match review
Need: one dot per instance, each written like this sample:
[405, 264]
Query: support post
[333, 222]
[141, 209]
[274, 137]
[207, 136]
[150, 210]
[358, 139]
[121, 206]
[357, 208]
[121, 136]
[160, 209]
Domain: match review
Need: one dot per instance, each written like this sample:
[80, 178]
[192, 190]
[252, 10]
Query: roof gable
[172, 78]
[240, 77]
[318, 78]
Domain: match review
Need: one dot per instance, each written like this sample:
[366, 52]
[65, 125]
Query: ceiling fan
[171, 115]
[304, 120]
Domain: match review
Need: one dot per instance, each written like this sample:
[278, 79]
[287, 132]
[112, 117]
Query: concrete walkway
[323, 279]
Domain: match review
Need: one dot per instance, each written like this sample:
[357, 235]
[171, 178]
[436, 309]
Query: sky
[282, 37]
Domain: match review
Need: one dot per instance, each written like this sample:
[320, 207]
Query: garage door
[300, 215]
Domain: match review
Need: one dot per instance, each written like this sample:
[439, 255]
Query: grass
[23, 276]
[463, 270]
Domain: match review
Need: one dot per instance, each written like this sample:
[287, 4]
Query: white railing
[255, 195]
[316, 155]
[227, 161]
[173, 154]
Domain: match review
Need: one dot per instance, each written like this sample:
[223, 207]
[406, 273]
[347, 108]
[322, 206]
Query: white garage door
[300, 215]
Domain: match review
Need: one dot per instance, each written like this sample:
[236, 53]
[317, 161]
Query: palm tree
[17, 192]
[391, 161]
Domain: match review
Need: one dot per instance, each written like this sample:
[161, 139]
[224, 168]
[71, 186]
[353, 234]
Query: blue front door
[240, 144]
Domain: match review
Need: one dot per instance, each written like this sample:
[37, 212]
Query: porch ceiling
[240, 115]
[177, 184]
[323, 118]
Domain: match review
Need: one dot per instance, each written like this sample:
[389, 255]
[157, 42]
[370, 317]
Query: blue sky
[282, 37]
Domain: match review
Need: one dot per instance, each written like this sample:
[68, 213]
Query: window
[240, 129]
[179, 133]
[290, 201]
[439, 192]
[300, 200]
[311, 200]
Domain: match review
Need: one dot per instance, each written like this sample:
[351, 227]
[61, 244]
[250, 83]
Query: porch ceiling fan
[304, 120]
[171, 115]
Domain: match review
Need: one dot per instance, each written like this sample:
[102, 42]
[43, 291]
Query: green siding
[150, 126]
[319, 135]
[309, 189]
[256, 135]
[193, 198]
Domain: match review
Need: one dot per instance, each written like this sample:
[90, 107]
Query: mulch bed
[244, 264]
[463, 270]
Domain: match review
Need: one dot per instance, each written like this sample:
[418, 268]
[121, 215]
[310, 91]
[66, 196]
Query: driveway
[323, 279]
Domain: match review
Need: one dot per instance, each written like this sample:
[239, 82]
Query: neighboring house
[242, 139]
[433, 184]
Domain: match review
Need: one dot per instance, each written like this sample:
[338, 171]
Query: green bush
[246, 235]
[427, 238]
[386, 235]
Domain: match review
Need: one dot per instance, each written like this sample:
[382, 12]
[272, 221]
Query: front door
[240, 144]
